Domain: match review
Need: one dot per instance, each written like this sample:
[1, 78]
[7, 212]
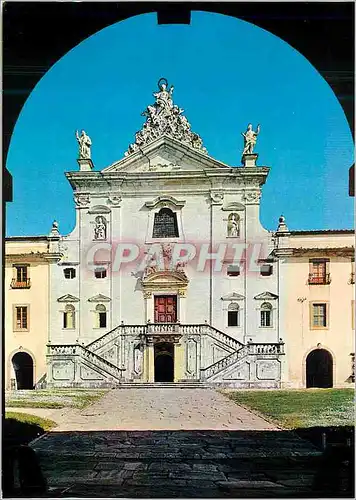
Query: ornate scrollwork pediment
[165, 281]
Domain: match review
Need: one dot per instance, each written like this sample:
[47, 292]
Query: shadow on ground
[200, 464]
[21, 471]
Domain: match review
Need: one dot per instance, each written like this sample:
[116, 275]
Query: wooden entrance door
[165, 309]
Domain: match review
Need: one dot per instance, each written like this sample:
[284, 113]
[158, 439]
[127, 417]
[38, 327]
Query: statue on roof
[164, 96]
[164, 117]
[84, 142]
[250, 139]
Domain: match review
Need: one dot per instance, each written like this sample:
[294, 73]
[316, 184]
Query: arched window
[69, 317]
[233, 314]
[233, 225]
[100, 316]
[266, 314]
[165, 224]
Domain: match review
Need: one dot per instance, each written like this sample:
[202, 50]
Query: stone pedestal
[249, 160]
[85, 164]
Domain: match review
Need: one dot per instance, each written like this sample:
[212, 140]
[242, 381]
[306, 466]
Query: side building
[26, 311]
[317, 277]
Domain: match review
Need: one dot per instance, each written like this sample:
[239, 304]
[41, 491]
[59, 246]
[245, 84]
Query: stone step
[163, 385]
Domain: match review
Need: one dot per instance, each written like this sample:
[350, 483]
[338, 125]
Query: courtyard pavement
[173, 443]
[161, 409]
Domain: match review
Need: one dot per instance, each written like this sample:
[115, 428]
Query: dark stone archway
[23, 367]
[319, 369]
[34, 40]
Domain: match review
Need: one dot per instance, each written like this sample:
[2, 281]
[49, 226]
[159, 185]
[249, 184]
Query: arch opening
[319, 369]
[22, 363]
[164, 362]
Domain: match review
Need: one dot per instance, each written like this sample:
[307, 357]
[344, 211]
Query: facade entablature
[327, 251]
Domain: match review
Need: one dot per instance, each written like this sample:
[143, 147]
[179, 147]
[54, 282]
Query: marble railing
[162, 328]
[266, 348]
[249, 349]
[223, 337]
[101, 341]
[223, 363]
[100, 362]
[85, 354]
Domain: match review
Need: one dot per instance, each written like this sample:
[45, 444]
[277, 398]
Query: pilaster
[178, 362]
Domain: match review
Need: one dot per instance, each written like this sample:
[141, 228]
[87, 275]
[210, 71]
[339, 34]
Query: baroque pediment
[165, 278]
[163, 155]
[266, 296]
[68, 298]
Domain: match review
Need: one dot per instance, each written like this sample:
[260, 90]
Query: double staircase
[94, 355]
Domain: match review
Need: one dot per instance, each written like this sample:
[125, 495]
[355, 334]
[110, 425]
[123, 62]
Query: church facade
[169, 276]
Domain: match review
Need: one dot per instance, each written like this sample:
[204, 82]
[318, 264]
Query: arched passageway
[319, 369]
[23, 367]
[164, 362]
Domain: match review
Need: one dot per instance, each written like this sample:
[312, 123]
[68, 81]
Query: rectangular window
[319, 315]
[318, 274]
[266, 270]
[69, 318]
[233, 270]
[102, 320]
[21, 273]
[233, 318]
[20, 279]
[100, 272]
[21, 318]
[266, 318]
[69, 273]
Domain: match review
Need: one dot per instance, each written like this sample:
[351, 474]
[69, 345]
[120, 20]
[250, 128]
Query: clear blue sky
[226, 73]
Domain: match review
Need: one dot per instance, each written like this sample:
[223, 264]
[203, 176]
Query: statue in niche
[233, 226]
[100, 228]
[84, 142]
[250, 139]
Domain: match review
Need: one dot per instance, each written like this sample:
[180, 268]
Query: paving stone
[237, 457]
[175, 466]
[135, 466]
[248, 484]
[205, 467]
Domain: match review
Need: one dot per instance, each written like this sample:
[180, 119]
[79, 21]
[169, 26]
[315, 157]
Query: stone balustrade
[84, 353]
[220, 365]
[249, 349]
[266, 348]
